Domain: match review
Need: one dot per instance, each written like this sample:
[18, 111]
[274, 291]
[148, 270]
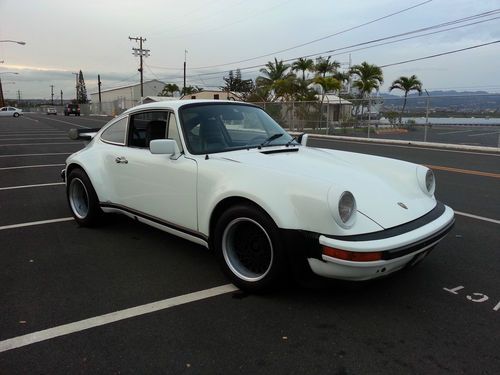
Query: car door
[157, 187]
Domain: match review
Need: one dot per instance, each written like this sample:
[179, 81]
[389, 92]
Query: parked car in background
[225, 175]
[72, 109]
[51, 111]
[10, 112]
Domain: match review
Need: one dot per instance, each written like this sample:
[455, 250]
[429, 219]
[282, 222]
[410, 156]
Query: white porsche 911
[225, 175]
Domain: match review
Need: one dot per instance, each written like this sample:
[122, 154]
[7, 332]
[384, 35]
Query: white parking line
[33, 223]
[456, 132]
[481, 134]
[31, 166]
[30, 186]
[29, 139]
[29, 134]
[66, 329]
[47, 143]
[48, 154]
[70, 123]
[478, 217]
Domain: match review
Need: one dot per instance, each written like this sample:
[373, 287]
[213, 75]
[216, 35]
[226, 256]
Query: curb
[447, 146]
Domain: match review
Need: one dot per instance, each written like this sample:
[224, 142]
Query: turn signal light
[353, 256]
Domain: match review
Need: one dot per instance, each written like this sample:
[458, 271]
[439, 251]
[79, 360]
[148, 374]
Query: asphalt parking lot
[126, 298]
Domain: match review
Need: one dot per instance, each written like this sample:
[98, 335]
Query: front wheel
[82, 199]
[248, 248]
[16, 114]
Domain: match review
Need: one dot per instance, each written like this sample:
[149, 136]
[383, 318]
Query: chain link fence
[467, 120]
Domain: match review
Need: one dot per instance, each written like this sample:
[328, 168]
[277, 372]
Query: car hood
[382, 187]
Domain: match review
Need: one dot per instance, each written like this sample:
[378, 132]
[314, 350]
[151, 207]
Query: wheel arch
[72, 166]
[225, 204]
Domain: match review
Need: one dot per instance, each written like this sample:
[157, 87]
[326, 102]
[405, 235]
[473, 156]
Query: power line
[441, 54]
[319, 39]
[385, 39]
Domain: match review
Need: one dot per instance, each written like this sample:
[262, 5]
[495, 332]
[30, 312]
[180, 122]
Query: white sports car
[225, 175]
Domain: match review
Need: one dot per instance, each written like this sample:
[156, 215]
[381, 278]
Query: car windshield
[219, 127]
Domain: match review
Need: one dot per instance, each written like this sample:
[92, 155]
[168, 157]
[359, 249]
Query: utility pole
[184, 87]
[99, 83]
[426, 117]
[62, 97]
[141, 53]
[51, 94]
[19, 96]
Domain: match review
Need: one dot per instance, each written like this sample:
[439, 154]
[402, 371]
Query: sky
[64, 37]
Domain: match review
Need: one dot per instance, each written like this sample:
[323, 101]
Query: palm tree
[342, 77]
[327, 84]
[368, 77]
[274, 73]
[324, 66]
[170, 88]
[406, 84]
[303, 64]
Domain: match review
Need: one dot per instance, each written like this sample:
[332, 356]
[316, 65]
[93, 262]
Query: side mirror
[303, 139]
[164, 147]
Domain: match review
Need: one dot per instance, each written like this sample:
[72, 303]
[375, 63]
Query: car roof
[176, 104]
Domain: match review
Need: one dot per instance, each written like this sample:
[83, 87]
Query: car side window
[173, 131]
[116, 132]
[146, 126]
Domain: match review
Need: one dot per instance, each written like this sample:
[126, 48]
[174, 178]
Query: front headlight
[347, 205]
[426, 180]
[343, 207]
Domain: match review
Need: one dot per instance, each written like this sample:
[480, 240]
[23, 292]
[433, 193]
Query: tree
[82, 90]
[327, 84]
[189, 90]
[303, 64]
[406, 84]
[169, 90]
[324, 66]
[271, 76]
[236, 84]
[368, 77]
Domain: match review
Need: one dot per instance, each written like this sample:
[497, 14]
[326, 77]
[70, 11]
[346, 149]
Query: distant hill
[450, 101]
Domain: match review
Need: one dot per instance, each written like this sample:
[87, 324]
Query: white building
[118, 99]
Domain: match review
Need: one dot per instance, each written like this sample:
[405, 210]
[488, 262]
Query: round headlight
[430, 181]
[426, 180]
[347, 206]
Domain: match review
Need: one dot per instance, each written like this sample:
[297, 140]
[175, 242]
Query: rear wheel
[82, 199]
[249, 249]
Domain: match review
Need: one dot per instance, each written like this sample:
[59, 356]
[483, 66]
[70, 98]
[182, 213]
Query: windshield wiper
[294, 139]
[270, 139]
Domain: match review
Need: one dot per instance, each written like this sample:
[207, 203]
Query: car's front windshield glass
[219, 127]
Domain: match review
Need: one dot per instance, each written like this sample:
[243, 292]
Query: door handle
[121, 160]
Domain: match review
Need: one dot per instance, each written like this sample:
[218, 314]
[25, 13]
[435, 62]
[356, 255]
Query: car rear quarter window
[116, 132]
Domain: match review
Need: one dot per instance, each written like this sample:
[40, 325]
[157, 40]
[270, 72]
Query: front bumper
[400, 247]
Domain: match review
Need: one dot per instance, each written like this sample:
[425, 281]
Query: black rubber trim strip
[429, 217]
[280, 151]
[155, 220]
[402, 251]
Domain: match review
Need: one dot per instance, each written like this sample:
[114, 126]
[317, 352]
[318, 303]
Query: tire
[249, 249]
[16, 114]
[82, 199]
